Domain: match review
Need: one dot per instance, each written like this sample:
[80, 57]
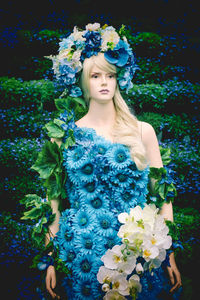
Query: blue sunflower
[68, 254]
[83, 222]
[73, 196]
[110, 241]
[124, 200]
[87, 243]
[83, 289]
[65, 235]
[106, 223]
[74, 158]
[90, 190]
[119, 156]
[120, 178]
[96, 203]
[85, 266]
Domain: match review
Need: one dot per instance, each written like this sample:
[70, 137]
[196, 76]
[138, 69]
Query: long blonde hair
[125, 130]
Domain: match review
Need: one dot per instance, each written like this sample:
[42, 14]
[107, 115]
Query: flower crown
[81, 44]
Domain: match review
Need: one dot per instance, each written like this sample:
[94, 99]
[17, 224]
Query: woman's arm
[53, 229]
[153, 154]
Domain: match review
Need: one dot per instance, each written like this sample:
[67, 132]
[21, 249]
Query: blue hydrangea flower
[92, 44]
[67, 75]
[118, 156]
[75, 91]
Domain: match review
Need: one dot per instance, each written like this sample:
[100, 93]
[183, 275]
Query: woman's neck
[101, 115]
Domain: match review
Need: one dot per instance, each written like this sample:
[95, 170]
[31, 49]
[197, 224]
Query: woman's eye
[94, 76]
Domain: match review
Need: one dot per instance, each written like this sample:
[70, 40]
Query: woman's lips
[104, 91]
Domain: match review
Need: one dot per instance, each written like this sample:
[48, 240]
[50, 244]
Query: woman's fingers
[174, 273]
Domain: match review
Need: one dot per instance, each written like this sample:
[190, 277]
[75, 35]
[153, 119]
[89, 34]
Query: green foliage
[41, 213]
[15, 92]
[49, 166]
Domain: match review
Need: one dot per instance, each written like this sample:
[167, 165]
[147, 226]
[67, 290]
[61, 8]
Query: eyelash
[96, 76]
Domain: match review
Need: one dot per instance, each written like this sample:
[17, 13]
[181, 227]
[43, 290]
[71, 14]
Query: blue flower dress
[102, 181]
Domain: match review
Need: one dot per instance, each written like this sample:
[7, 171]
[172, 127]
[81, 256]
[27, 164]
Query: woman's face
[102, 85]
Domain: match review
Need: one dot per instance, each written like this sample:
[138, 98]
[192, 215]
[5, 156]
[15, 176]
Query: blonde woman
[107, 166]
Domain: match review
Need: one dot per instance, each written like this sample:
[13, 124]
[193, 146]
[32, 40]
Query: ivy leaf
[54, 129]
[165, 155]
[47, 160]
[32, 214]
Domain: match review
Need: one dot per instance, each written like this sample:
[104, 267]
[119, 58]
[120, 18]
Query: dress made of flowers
[102, 182]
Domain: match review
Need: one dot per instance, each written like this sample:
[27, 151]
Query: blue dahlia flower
[87, 243]
[124, 200]
[90, 190]
[94, 204]
[120, 178]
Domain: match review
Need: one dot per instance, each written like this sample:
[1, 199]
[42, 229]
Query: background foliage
[166, 94]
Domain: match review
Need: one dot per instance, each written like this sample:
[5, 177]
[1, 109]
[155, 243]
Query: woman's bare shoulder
[146, 130]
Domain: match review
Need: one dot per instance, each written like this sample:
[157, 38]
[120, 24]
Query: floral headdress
[81, 44]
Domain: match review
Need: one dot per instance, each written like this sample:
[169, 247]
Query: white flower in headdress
[92, 27]
[110, 39]
[78, 35]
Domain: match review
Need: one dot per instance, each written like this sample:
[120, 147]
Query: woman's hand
[51, 282]
[174, 274]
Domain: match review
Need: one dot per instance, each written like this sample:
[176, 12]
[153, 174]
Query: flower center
[85, 266]
[88, 243]
[121, 177]
[96, 203]
[83, 221]
[86, 290]
[126, 197]
[71, 255]
[68, 235]
[105, 224]
[90, 187]
[120, 157]
[87, 169]
[101, 150]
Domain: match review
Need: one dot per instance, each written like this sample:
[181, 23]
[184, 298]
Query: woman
[108, 165]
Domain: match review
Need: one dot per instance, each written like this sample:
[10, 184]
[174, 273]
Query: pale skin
[101, 116]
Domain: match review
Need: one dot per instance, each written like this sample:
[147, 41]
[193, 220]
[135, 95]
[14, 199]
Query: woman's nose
[103, 80]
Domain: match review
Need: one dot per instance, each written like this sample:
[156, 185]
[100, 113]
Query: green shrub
[148, 44]
[172, 126]
[15, 92]
[170, 97]
[24, 122]
[17, 179]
